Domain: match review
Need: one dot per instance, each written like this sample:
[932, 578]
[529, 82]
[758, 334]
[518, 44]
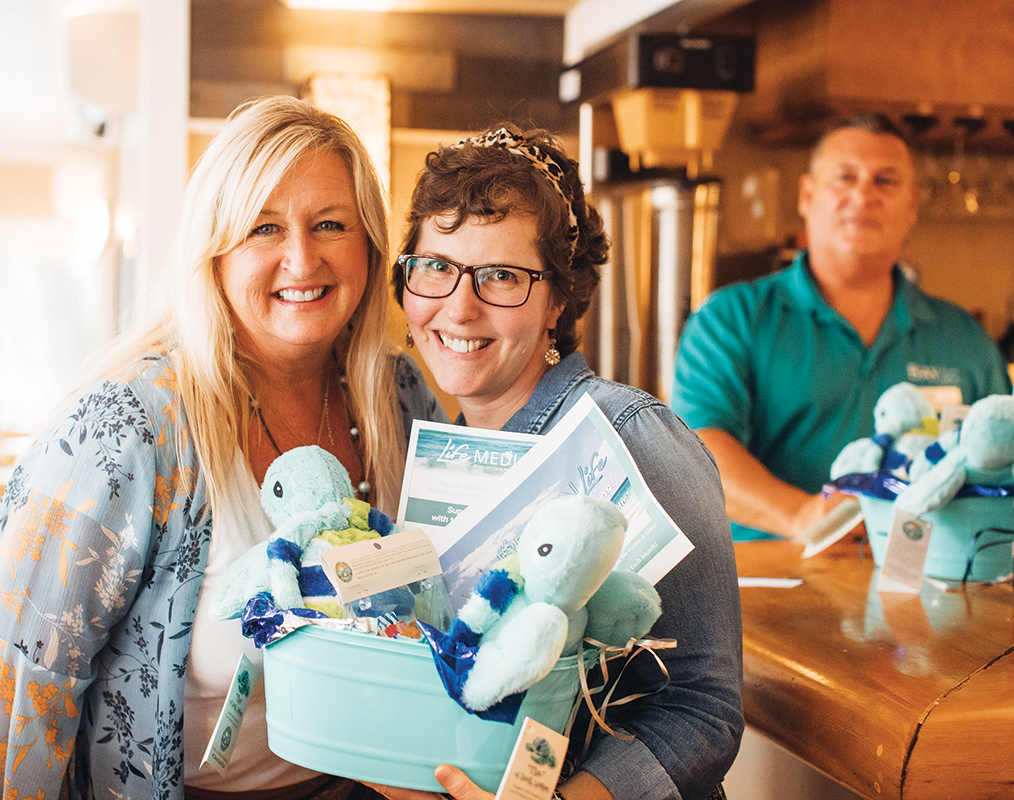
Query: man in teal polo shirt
[779, 374]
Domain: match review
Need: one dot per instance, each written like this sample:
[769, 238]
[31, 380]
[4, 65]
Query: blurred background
[692, 120]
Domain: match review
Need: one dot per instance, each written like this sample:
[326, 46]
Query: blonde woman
[124, 515]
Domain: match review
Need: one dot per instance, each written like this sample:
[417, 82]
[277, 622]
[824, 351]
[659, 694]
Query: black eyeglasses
[498, 285]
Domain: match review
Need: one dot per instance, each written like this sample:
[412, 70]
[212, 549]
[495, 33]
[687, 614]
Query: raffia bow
[606, 654]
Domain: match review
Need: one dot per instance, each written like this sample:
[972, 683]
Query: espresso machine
[653, 108]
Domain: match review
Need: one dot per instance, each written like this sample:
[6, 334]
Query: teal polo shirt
[772, 364]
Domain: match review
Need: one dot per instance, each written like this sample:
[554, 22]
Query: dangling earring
[552, 354]
[409, 340]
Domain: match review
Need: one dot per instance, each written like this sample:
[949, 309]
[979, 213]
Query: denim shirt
[689, 733]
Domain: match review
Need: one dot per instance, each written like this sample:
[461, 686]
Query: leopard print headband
[542, 162]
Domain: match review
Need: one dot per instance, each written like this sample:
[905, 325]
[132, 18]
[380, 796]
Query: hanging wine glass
[964, 195]
[1005, 178]
[929, 179]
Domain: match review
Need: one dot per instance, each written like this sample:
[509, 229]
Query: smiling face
[490, 358]
[295, 281]
[859, 200]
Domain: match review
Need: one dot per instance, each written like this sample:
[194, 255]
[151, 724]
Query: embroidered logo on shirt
[928, 373]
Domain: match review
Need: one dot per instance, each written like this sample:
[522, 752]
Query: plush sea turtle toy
[565, 589]
[308, 496]
[905, 424]
[981, 453]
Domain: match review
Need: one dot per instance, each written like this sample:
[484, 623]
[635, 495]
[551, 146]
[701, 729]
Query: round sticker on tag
[343, 571]
[912, 530]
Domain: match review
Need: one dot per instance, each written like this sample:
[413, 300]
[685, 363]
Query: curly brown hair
[467, 180]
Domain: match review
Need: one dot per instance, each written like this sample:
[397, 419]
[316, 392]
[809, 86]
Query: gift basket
[375, 709]
[386, 688]
[961, 481]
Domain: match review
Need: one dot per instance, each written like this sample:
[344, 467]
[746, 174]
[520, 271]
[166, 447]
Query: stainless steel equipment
[653, 109]
[663, 231]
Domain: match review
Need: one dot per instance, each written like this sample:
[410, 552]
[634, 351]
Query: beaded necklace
[363, 489]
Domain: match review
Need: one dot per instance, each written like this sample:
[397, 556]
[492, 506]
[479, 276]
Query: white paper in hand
[832, 527]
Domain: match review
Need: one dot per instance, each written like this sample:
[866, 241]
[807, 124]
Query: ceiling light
[346, 5]
[550, 8]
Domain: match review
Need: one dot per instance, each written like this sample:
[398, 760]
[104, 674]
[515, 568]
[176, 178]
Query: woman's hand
[456, 782]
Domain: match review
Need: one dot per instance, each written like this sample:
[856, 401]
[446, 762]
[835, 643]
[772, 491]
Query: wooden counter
[894, 696]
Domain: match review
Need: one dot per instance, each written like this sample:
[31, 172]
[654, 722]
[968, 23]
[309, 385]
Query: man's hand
[812, 511]
[756, 498]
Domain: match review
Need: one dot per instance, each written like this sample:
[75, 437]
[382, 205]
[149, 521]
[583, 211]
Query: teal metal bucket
[374, 709]
[952, 541]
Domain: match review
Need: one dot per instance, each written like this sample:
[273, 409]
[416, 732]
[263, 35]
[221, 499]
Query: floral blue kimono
[104, 535]
[104, 539]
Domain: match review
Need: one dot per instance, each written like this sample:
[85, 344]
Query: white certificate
[450, 467]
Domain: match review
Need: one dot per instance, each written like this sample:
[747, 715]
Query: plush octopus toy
[308, 496]
[980, 452]
[905, 424]
[563, 589]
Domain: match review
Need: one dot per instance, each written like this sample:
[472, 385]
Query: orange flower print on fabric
[167, 380]
[41, 517]
[50, 703]
[14, 601]
[165, 492]
[13, 794]
[8, 682]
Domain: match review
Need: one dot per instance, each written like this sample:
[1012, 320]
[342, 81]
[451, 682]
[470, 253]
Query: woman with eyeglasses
[501, 260]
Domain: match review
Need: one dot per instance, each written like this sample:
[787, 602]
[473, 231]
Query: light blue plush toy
[905, 424]
[308, 496]
[565, 589]
[925, 461]
[980, 453]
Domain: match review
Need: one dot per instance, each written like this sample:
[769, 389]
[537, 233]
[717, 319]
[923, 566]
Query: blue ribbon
[454, 661]
[887, 487]
[264, 622]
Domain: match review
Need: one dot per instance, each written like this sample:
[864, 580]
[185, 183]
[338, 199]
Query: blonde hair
[230, 184]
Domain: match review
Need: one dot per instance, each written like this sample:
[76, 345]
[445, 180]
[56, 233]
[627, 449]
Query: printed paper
[449, 467]
[905, 555]
[582, 455]
[535, 764]
[224, 736]
[362, 569]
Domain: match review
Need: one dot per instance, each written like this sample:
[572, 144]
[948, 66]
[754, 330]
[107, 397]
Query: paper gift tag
[905, 555]
[832, 526]
[223, 738]
[535, 764]
[940, 396]
[952, 415]
[360, 569]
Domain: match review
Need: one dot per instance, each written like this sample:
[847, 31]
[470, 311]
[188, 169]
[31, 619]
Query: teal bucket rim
[397, 645]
